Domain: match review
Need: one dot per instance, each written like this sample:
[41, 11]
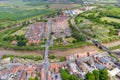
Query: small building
[90, 62]
[73, 67]
[54, 67]
[79, 55]
[71, 58]
[102, 60]
[82, 67]
[14, 42]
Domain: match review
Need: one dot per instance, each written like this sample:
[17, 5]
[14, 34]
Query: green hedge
[36, 58]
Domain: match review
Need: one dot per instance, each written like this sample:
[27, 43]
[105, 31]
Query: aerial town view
[59, 39]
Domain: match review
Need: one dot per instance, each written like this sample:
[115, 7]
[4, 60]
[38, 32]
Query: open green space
[104, 33]
[12, 13]
[114, 12]
[115, 47]
[16, 11]
[101, 23]
[109, 19]
[22, 31]
[36, 58]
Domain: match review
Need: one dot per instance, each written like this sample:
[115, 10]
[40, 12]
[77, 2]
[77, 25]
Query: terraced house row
[38, 31]
[78, 64]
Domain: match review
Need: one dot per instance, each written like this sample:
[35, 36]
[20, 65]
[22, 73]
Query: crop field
[22, 31]
[109, 19]
[18, 11]
[64, 6]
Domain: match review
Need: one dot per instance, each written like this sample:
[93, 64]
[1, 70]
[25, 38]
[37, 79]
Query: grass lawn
[20, 32]
[70, 39]
[109, 19]
[115, 11]
[6, 23]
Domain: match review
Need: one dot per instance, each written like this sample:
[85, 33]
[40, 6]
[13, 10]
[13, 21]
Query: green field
[101, 23]
[114, 11]
[91, 23]
[17, 11]
[22, 31]
[109, 19]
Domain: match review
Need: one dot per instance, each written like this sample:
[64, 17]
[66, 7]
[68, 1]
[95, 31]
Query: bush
[62, 59]
[36, 58]
[104, 74]
[52, 57]
[90, 76]
[96, 74]
[65, 75]
[21, 43]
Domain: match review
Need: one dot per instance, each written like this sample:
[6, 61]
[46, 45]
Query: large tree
[96, 74]
[73, 77]
[104, 74]
[79, 37]
[90, 76]
[64, 74]
[21, 43]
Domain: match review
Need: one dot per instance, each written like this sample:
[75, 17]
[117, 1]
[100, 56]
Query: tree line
[76, 34]
[97, 75]
[101, 14]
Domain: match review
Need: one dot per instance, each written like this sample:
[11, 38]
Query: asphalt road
[46, 63]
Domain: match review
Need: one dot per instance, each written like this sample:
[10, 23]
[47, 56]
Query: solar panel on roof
[99, 66]
[102, 60]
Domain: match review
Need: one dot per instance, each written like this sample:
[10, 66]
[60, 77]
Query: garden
[101, 23]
